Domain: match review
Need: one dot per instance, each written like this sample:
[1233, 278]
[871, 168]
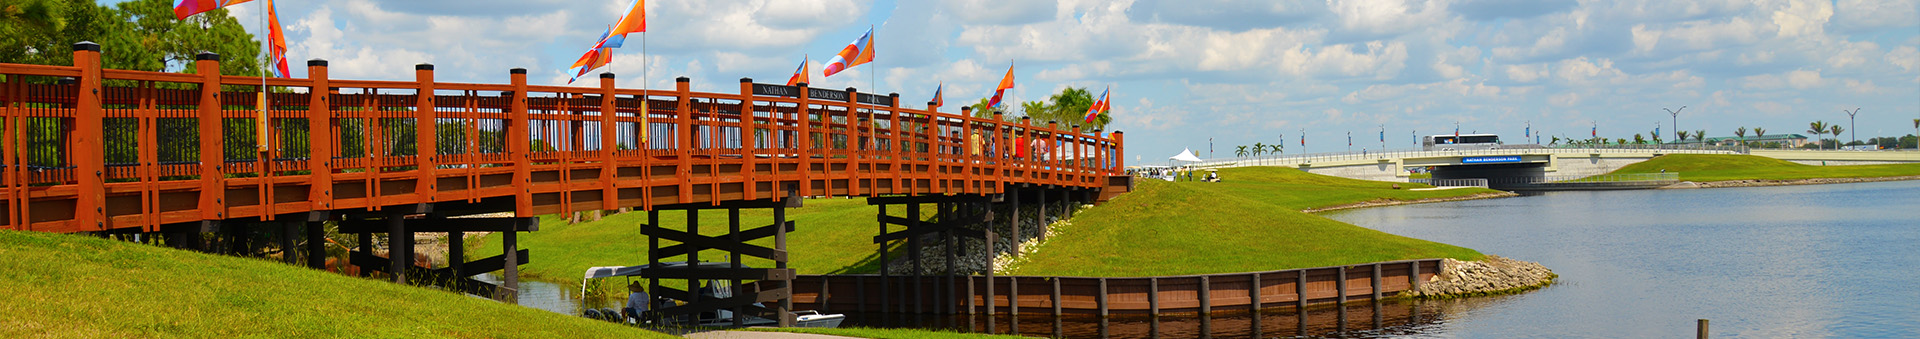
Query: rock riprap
[1493, 275]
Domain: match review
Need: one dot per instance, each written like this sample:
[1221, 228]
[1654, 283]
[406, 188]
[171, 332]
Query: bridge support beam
[768, 286]
[952, 225]
[458, 275]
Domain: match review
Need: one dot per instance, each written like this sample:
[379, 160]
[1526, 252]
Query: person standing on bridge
[974, 143]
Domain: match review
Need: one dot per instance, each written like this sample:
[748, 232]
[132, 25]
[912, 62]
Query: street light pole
[1676, 120]
[1856, 134]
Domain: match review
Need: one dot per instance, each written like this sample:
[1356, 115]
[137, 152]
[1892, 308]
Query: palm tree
[1741, 133]
[1818, 129]
[1278, 148]
[1835, 129]
[1259, 148]
[1683, 135]
[1553, 141]
[1639, 139]
[1700, 136]
[1240, 150]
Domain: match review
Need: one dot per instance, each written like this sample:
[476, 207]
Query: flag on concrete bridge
[1005, 83]
[799, 74]
[856, 53]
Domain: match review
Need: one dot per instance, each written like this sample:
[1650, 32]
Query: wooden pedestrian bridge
[179, 155]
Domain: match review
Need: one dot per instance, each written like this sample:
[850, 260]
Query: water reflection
[1356, 320]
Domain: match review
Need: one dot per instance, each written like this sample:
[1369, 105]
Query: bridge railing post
[609, 195]
[212, 204]
[88, 147]
[320, 137]
[424, 121]
[683, 142]
[1119, 153]
[804, 141]
[749, 140]
[519, 141]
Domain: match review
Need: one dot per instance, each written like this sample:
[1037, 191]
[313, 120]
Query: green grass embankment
[1250, 222]
[74, 286]
[1719, 167]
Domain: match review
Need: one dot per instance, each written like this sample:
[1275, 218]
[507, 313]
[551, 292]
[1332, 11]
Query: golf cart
[711, 289]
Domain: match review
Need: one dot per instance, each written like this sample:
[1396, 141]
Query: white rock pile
[1494, 275]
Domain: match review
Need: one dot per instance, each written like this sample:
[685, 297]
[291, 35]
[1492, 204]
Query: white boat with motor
[714, 288]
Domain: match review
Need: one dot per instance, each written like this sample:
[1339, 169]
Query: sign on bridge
[1490, 160]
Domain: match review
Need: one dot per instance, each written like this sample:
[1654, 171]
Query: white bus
[1449, 142]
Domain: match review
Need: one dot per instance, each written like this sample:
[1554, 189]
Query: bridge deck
[87, 149]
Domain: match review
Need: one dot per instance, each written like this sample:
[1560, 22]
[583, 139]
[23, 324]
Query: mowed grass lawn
[1719, 167]
[1250, 222]
[830, 236]
[76, 286]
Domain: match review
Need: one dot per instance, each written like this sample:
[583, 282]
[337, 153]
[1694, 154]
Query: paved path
[758, 335]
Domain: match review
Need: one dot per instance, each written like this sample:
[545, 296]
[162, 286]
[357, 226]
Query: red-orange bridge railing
[91, 149]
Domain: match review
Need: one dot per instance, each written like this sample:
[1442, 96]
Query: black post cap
[1117, 132]
[317, 62]
[800, 84]
[423, 67]
[1021, 118]
[86, 46]
[896, 95]
[682, 79]
[930, 103]
[852, 90]
[606, 75]
[966, 108]
[746, 80]
[207, 56]
[517, 71]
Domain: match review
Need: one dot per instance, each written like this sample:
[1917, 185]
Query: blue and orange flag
[1005, 83]
[635, 21]
[1101, 106]
[936, 95]
[598, 56]
[856, 53]
[276, 42]
[186, 8]
[799, 74]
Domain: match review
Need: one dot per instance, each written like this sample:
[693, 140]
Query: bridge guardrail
[81, 135]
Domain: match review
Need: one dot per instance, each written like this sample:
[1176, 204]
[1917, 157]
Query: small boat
[715, 288]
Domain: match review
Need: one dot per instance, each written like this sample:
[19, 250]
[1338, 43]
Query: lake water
[1837, 261]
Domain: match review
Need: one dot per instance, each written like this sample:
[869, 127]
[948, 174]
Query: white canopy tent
[1185, 155]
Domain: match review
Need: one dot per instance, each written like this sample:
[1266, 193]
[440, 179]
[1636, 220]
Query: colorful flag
[1596, 131]
[634, 21]
[276, 42]
[186, 8]
[799, 74]
[598, 56]
[856, 53]
[936, 95]
[1005, 83]
[1099, 106]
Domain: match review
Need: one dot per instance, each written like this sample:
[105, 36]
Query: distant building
[1786, 140]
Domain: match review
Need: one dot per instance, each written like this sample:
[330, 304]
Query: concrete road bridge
[1530, 164]
[188, 158]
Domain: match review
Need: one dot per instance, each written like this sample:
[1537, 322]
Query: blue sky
[1235, 71]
